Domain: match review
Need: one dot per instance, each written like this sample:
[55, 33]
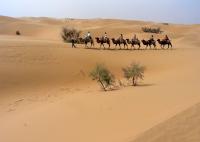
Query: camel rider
[121, 37]
[134, 37]
[151, 38]
[166, 38]
[105, 36]
[88, 35]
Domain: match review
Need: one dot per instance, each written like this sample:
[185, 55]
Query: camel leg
[125, 46]
[131, 47]
[138, 47]
[171, 45]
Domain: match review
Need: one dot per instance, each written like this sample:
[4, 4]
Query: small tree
[70, 33]
[135, 71]
[102, 75]
[151, 30]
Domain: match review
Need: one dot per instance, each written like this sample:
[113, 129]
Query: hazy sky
[175, 11]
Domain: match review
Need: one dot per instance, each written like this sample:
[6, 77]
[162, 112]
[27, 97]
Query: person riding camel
[105, 36]
[88, 35]
[151, 38]
[121, 38]
[135, 37]
[166, 38]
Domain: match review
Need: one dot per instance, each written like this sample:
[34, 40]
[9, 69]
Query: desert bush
[18, 33]
[70, 33]
[134, 72]
[165, 24]
[151, 30]
[102, 75]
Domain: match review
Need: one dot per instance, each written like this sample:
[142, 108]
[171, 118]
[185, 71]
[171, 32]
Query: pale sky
[173, 11]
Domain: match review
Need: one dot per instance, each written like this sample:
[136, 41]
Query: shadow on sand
[145, 85]
[117, 49]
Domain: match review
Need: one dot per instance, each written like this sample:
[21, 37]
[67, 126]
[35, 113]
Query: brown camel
[164, 42]
[119, 42]
[102, 40]
[134, 42]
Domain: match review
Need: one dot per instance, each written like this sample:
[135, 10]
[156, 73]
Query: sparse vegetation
[134, 72]
[165, 24]
[102, 75]
[18, 33]
[70, 33]
[151, 30]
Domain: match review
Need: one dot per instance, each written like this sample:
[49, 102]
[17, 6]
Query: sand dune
[47, 95]
[181, 128]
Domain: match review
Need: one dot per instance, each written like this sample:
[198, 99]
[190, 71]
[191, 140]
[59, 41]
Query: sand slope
[47, 95]
[181, 128]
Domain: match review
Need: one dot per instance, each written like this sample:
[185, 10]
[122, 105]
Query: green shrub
[135, 71]
[70, 33]
[102, 75]
[165, 24]
[151, 30]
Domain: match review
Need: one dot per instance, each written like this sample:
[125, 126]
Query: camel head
[158, 40]
[97, 38]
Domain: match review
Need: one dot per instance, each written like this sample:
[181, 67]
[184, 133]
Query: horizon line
[103, 18]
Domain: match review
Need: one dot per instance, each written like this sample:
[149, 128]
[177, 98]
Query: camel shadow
[122, 49]
[92, 48]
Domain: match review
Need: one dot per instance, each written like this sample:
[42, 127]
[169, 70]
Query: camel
[134, 42]
[101, 41]
[77, 41]
[119, 42]
[164, 42]
[149, 43]
[88, 40]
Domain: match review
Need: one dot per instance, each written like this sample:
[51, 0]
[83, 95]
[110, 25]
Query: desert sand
[46, 94]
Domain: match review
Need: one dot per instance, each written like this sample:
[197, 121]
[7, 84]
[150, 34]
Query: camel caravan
[121, 42]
